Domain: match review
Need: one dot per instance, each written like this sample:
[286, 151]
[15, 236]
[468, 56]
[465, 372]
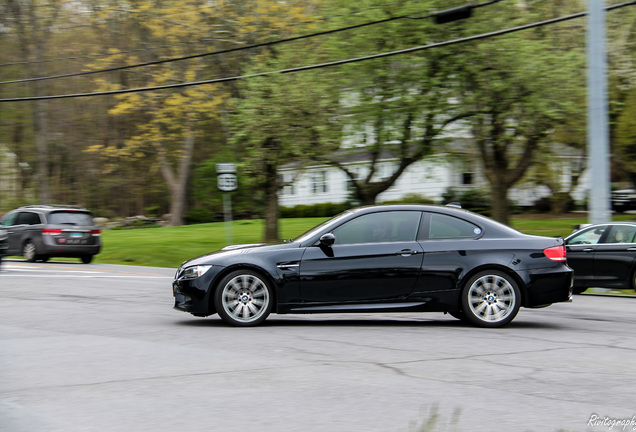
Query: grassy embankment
[169, 247]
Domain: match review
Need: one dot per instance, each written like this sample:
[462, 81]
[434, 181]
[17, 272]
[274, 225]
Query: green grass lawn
[170, 246]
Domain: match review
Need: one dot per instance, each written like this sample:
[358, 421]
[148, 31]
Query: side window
[383, 227]
[444, 226]
[590, 236]
[621, 234]
[28, 218]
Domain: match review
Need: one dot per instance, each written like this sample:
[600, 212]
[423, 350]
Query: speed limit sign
[227, 180]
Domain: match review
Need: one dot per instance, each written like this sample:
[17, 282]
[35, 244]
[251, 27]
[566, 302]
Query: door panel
[360, 272]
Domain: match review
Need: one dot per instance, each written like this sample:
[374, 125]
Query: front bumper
[194, 295]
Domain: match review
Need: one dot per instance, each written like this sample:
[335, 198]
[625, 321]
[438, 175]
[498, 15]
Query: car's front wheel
[243, 298]
[491, 299]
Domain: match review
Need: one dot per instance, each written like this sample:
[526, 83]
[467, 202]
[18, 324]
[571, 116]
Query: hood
[241, 246]
[228, 254]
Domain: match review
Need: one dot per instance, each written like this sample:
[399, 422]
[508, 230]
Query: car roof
[52, 207]
[452, 210]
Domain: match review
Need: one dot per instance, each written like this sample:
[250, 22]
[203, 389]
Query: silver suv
[39, 232]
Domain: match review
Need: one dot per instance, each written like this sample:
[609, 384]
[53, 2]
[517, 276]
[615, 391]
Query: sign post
[227, 182]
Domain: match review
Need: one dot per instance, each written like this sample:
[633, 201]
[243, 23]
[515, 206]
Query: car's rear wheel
[87, 259]
[243, 298]
[491, 299]
[29, 252]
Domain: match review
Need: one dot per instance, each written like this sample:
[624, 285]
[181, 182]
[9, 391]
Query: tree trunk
[271, 202]
[499, 201]
[41, 132]
[178, 182]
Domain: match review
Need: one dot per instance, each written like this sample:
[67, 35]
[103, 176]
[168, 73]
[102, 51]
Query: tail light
[51, 231]
[555, 253]
[96, 232]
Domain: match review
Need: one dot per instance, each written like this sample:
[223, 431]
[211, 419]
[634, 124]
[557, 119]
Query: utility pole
[597, 115]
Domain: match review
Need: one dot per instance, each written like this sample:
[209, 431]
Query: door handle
[407, 252]
[588, 250]
[632, 249]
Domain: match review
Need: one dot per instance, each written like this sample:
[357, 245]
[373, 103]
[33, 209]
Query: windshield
[71, 218]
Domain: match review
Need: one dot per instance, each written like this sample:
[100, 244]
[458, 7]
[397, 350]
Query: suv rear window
[70, 218]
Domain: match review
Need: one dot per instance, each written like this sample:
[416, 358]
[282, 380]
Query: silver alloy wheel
[245, 298]
[491, 298]
[29, 252]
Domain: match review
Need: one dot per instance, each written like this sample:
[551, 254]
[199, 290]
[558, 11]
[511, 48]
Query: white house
[430, 178]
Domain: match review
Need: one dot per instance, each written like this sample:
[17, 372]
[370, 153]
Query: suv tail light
[555, 253]
[96, 232]
[51, 231]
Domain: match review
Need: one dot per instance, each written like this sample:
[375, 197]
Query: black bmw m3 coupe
[387, 258]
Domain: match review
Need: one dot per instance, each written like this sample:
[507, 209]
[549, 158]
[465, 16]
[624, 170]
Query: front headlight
[195, 271]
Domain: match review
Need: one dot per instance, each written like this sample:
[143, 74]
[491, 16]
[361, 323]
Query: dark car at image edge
[603, 256]
[390, 258]
[4, 242]
[40, 232]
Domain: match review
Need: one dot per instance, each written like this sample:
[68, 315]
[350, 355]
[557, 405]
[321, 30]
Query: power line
[190, 57]
[260, 45]
[324, 65]
[200, 40]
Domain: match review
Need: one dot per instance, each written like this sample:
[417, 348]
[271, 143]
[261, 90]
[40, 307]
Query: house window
[467, 178]
[287, 182]
[319, 182]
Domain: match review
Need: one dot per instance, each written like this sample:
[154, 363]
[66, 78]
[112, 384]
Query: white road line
[93, 276]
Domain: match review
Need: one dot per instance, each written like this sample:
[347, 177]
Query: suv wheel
[29, 252]
[87, 259]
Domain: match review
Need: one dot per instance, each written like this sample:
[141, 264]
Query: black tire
[491, 298]
[244, 298]
[578, 290]
[87, 259]
[29, 252]
[458, 315]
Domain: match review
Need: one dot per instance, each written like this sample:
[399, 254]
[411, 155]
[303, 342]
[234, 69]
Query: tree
[169, 124]
[622, 90]
[34, 21]
[625, 136]
[518, 89]
[280, 119]
[397, 108]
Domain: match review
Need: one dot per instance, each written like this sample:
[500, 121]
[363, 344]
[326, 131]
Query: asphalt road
[99, 348]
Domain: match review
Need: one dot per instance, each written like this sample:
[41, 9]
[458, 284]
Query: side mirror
[327, 240]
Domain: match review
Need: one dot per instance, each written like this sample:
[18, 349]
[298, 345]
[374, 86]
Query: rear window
[71, 218]
[445, 227]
